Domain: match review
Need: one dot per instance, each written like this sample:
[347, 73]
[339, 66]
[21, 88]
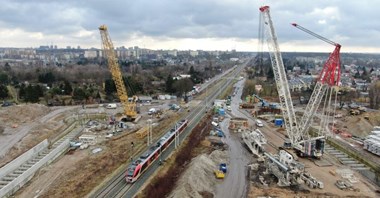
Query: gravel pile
[199, 176]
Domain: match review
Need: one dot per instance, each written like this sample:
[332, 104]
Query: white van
[229, 108]
[111, 106]
[214, 124]
[152, 111]
[259, 123]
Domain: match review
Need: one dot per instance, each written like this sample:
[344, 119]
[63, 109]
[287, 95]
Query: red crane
[331, 70]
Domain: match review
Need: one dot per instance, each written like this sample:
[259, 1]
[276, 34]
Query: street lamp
[149, 135]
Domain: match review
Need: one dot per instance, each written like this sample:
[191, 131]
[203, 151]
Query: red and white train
[139, 166]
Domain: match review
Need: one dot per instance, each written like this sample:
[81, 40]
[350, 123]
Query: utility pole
[149, 135]
[176, 137]
[132, 146]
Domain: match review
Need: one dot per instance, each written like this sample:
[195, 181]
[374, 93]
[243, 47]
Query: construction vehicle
[228, 102]
[265, 107]
[298, 134]
[130, 109]
[219, 174]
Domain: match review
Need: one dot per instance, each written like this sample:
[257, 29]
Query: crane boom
[108, 49]
[330, 76]
[314, 34]
[280, 78]
[331, 69]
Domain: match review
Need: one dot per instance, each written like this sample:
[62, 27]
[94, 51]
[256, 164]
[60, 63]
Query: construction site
[218, 143]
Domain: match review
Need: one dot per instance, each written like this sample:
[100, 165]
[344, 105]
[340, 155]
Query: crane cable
[333, 122]
[260, 46]
[327, 133]
[323, 114]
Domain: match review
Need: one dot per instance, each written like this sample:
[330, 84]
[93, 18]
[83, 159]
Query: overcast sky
[190, 24]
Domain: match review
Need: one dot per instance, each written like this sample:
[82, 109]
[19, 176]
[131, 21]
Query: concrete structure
[23, 168]
[13, 181]
[8, 168]
[255, 141]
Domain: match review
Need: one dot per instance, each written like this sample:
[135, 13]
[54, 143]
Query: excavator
[130, 109]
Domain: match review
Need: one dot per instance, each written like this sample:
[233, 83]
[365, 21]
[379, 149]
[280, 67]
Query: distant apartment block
[194, 53]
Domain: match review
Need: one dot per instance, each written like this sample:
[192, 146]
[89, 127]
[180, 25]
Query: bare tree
[374, 95]
[182, 86]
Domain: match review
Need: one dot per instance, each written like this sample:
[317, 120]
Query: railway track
[117, 187]
[109, 190]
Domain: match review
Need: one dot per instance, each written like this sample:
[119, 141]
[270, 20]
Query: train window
[131, 170]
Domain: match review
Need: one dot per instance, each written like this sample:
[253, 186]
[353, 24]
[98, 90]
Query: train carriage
[139, 166]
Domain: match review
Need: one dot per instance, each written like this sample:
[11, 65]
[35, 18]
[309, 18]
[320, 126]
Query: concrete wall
[8, 168]
[21, 180]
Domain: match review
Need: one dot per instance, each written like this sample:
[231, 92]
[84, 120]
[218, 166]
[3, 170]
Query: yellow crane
[129, 106]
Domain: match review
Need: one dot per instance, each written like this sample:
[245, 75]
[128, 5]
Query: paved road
[235, 182]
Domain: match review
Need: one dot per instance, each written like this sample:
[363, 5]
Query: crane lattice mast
[109, 52]
[330, 76]
[286, 102]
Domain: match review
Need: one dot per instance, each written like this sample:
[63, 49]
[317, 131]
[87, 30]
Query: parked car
[259, 123]
[223, 167]
[6, 104]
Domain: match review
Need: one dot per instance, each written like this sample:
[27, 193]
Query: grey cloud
[194, 18]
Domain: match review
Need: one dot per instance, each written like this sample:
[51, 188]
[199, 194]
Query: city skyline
[189, 25]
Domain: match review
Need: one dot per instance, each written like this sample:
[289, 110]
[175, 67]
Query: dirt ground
[358, 125]
[282, 192]
[51, 174]
[24, 126]
[90, 169]
[327, 174]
